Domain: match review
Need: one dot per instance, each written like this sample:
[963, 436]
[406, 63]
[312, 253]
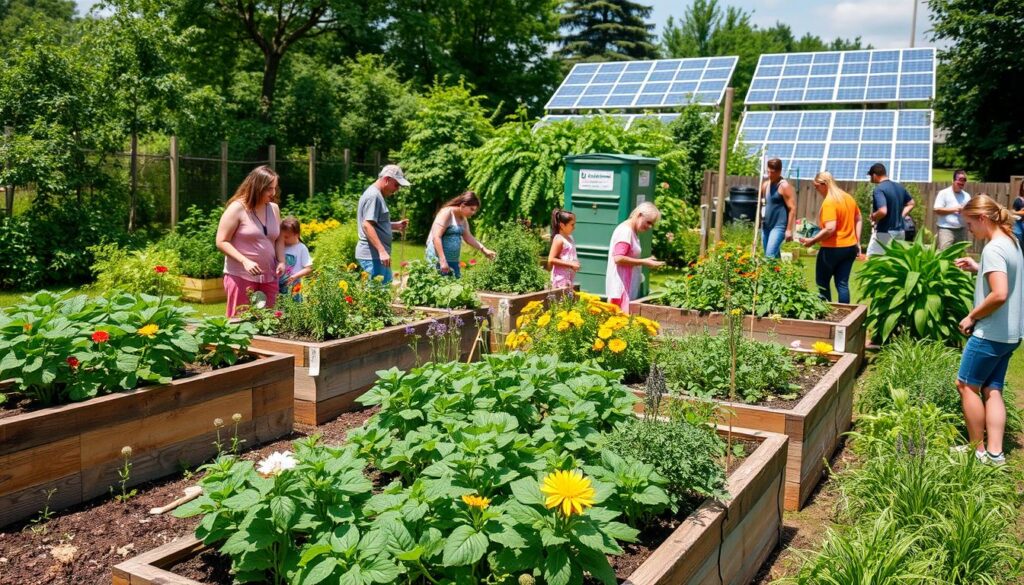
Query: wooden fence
[808, 201]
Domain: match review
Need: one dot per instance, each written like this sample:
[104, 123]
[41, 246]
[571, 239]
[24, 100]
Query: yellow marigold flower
[544, 320]
[522, 320]
[352, 266]
[343, 285]
[532, 307]
[605, 332]
[588, 297]
[364, 276]
[616, 345]
[148, 330]
[598, 344]
[594, 309]
[564, 325]
[568, 490]
[822, 348]
[476, 501]
[736, 312]
[512, 341]
[574, 318]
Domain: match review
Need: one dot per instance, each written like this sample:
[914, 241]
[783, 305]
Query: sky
[882, 23]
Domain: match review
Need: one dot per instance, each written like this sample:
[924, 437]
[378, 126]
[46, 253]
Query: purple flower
[409, 330]
[436, 328]
[490, 311]
[459, 322]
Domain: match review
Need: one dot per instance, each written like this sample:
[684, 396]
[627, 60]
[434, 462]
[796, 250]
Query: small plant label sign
[314, 361]
[839, 343]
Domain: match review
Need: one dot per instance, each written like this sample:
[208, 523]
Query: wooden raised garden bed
[506, 308]
[203, 290]
[75, 449]
[330, 375]
[731, 538]
[848, 334]
[814, 425]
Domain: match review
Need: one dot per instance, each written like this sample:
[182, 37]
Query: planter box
[203, 290]
[813, 426]
[846, 336]
[731, 538]
[506, 308]
[330, 375]
[76, 448]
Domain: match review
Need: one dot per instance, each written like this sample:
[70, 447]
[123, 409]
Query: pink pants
[237, 290]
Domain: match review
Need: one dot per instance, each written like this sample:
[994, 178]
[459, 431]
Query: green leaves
[915, 289]
[465, 546]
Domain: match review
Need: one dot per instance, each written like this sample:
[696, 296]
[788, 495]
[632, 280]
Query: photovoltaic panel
[664, 83]
[843, 142]
[844, 76]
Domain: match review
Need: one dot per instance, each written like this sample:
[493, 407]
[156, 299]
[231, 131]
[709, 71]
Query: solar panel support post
[723, 160]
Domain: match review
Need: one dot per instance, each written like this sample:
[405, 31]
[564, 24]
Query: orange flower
[297, 288]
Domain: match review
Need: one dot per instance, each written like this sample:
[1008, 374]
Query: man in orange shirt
[840, 221]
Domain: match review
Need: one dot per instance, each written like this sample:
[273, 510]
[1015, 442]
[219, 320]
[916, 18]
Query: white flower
[796, 344]
[277, 462]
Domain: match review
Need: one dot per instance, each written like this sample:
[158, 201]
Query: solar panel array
[844, 76]
[644, 84]
[844, 142]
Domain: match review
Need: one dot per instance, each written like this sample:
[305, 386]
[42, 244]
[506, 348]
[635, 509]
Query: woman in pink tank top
[249, 237]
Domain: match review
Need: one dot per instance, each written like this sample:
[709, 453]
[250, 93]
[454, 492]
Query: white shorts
[878, 238]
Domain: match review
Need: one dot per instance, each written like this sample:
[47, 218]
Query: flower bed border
[205, 291]
[847, 335]
[507, 307]
[330, 375]
[76, 448]
[814, 426]
[731, 538]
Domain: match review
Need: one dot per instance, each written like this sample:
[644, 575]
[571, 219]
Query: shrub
[781, 288]
[336, 247]
[60, 349]
[335, 304]
[426, 287]
[516, 268]
[194, 240]
[699, 365]
[338, 203]
[916, 290]
[151, 270]
[581, 327]
[906, 423]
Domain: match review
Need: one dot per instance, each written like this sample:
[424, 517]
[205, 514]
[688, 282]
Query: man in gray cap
[373, 221]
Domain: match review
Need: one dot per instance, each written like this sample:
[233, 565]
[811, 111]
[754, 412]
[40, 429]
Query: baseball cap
[395, 172]
[877, 169]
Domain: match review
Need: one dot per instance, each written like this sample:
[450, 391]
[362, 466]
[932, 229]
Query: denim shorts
[984, 363]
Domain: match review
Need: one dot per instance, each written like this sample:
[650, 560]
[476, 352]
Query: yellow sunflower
[148, 330]
[616, 345]
[569, 490]
[475, 501]
[822, 348]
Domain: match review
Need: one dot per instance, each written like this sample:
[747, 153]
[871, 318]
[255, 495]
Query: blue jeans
[834, 263]
[772, 239]
[454, 269]
[984, 363]
[375, 268]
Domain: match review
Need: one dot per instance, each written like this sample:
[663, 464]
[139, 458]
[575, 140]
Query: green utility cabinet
[602, 190]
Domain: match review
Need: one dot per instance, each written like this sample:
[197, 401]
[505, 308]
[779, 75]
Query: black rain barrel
[742, 203]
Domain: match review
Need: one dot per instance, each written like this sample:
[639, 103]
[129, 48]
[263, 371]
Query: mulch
[79, 545]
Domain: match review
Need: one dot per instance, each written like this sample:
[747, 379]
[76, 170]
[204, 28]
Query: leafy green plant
[426, 287]
[639, 489]
[699, 365]
[916, 290]
[336, 248]
[580, 327]
[151, 270]
[63, 349]
[194, 240]
[767, 287]
[906, 423]
[516, 268]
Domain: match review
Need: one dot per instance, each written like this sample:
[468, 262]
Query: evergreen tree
[607, 30]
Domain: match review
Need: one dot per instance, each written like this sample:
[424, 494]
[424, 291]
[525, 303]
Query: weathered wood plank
[39, 465]
[25, 503]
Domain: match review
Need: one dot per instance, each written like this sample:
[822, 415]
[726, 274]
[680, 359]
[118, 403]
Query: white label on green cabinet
[594, 180]
[644, 179]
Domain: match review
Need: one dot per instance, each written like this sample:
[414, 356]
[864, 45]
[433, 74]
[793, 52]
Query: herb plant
[916, 290]
[426, 287]
[194, 240]
[135, 271]
[765, 286]
[516, 268]
[699, 366]
[65, 349]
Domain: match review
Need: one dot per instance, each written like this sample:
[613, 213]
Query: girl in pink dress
[562, 258]
[624, 274]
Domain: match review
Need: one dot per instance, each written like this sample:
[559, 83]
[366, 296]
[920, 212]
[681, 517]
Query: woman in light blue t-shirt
[994, 326]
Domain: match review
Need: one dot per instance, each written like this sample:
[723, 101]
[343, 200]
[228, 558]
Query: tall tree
[16, 15]
[982, 81]
[603, 30]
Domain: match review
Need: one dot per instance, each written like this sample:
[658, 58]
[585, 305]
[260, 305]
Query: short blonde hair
[648, 210]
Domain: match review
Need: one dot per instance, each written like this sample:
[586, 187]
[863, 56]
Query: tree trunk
[271, 66]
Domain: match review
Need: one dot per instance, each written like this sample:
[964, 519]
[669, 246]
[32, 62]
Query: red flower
[778, 269]
[278, 314]
[72, 361]
[349, 299]
[160, 269]
[297, 289]
[472, 262]
[100, 336]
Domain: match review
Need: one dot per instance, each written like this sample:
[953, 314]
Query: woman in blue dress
[450, 229]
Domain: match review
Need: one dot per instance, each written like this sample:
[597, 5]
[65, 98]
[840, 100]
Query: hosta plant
[579, 327]
[915, 289]
[65, 349]
[755, 283]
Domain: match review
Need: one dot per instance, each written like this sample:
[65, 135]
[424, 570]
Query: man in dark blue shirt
[890, 204]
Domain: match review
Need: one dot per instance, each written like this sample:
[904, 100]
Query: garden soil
[79, 545]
